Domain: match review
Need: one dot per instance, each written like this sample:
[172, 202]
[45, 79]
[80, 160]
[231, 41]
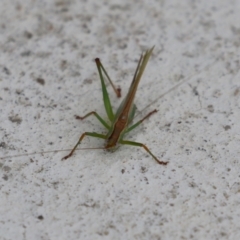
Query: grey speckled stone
[47, 75]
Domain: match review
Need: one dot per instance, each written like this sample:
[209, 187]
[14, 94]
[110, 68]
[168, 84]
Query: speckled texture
[47, 75]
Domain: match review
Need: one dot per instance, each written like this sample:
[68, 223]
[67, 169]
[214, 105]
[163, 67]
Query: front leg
[96, 115]
[91, 134]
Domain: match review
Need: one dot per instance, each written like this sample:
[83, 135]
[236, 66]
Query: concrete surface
[47, 75]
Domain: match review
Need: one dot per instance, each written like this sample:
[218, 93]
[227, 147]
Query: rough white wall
[47, 75]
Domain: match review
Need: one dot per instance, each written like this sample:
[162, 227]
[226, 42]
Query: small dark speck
[59, 3]
[146, 179]
[26, 53]
[201, 149]
[143, 169]
[22, 74]
[236, 92]
[27, 34]
[195, 229]
[171, 204]
[123, 171]
[6, 169]
[227, 127]
[83, 55]
[40, 217]
[55, 185]
[195, 92]
[192, 184]
[6, 70]
[179, 122]
[63, 65]
[40, 81]
[18, 91]
[3, 145]
[88, 81]
[5, 177]
[64, 10]
[223, 234]
[15, 119]
[122, 45]
[210, 108]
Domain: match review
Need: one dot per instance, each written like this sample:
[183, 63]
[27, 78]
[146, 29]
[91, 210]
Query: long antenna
[179, 84]
[52, 151]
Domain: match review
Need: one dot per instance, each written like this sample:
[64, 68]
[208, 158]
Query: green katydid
[121, 121]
